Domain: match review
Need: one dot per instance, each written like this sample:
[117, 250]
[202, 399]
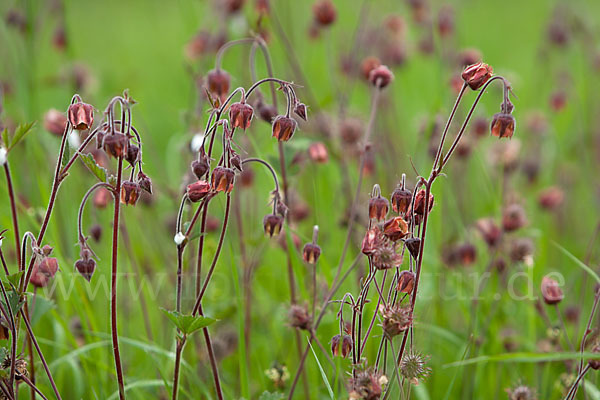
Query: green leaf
[577, 261]
[12, 280]
[270, 396]
[66, 155]
[188, 324]
[524, 357]
[323, 375]
[90, 163]
[20, 133]
[15, 300]
[5, 138]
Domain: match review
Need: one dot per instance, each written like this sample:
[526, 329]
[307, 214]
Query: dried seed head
[385, 255]
[381, 76]
[406, 282]
[324, 12]
[21, 369]
[300, 110]
[318, 152]
[513, 217]
[368, 65]
[311, 253]
[396, 319]
[420, 202]
[299, 317]
[401, 198]
[503, 125]
[133, 153]
[366, 385]
[414, 246]
[145, 182]
[43, 271]
[217, 83]
[130, 193]
[116, 145]
[284, 128]
[551, 292]
[395, 228]
[55, 122]
[240, 115]
[489, 230]
[81, 116]
[198, 190]
[521, 393]
[413, 367]
[378, 207]
[477, 75]
[521, 250]
[272, 224]
[222, 179]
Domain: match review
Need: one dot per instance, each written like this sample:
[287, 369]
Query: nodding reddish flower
[477, 75]
[466, 254]
[370, 240]
[318, 152]
[414, 246]
[116, 145]
[55, 122]
[406, 282]
[378, 207]
[381, 76]
[130, 193]
[490, 231]
[503, 125]
[420, 202]
[86, 265]
[272, 224]
[284, 128]
[198, 45]
[240, 115]
[43, 271]
[300, 110]
[133, 153]
[81, 116]
[324, 12]
[513, 217]
[101, 197]
[341, 345]
[145, 182]
[335, 345]
[551, 198]
[311, 253]
[395, 228]
[198, 190]
[217, 82]
[299, 317]
[222, 179]
[551, 292]
[369, 64]
[401, 198]
[480, 126]
[267, 112]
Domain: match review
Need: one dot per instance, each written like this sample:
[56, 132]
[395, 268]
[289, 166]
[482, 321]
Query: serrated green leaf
[188, 324]
[20, 133]
[15, 300]
[12, 280]
[90, 163]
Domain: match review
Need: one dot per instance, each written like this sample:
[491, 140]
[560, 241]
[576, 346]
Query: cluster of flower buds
[341, 345]
[44, 268]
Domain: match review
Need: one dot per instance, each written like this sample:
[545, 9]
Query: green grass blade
[322, 373]
[523, 357]
[578, 261]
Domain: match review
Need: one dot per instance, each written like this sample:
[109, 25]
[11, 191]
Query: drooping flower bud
[266, 112]
[130, 193]
[551, 198]
[200, 167]
[116, 145]
[401, 199]
[55, 122]
[197, 191]
[318, 152]
[346, 345]
[335, 345]
[406, 282]
[311, 253]
[381, 76]
[300, 110]
[378, 207]
[145, 182]
[477, 75]
[395, 228]
[222, 179]
[272, 224]
[489, 230]
[503, 125]
[217, 82]
[324, 12]
[370, 240]
[414, 246]
[101, 197]
[299, 317]
[133, 153]
[43, 271]
[81, 116]
[420, 202]
[551, 292]
[367, 65]
[284, 128]
[513, 217]
[86, 267]
[96, 232]
[240, 115]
